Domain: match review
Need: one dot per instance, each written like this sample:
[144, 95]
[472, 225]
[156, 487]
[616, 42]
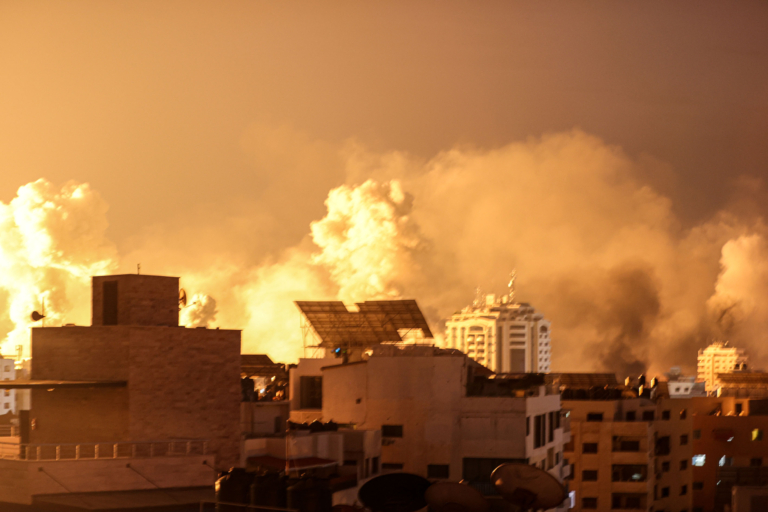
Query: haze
[613, 152]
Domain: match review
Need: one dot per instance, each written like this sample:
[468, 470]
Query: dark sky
[150, 101]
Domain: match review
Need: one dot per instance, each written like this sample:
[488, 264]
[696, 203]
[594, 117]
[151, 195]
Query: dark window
[683, 464]
[589, 475]
[109, 303]
[438, 470]
[665, 467]
[649, 415]
[311, 393]
[757, 461]
[538, 430]
[662, 445]
[697, 434]
[594, 416]
[624, 444]
[551, 430]
[629, 473]
[350, 462]
[739, 408]
[391, 431]
[627, 501]
[665, 415]
[683, 490]
[557, 419]
[375, 465]
[683, 414]
[684, 439]
[631, 416]
[527, 425]
[589, 448]
[665, 492]
[697, 486]
[390, 466]
[589, 503]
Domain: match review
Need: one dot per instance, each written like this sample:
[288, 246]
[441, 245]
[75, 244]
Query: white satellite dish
[455, 497]
[528, 487]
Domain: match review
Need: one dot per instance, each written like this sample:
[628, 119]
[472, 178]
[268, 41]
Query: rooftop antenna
[528, 487]
[138, 269]
[511, 285]
[478, 297]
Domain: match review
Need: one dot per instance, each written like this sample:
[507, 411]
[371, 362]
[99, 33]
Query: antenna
[478, 302]
[138, 269]
[528, 487]
[511, 285]
[394, 492]
[455, 497]
[36, 317]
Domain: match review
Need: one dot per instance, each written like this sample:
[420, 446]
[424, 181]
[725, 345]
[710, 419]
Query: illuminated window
[698, 460]
[757, 435]
[725, 461]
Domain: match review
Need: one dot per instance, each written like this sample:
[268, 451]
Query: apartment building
[505, 336]
[719, 358]
[8, 396]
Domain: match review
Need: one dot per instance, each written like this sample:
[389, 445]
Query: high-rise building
[719, 358]
[503, 335]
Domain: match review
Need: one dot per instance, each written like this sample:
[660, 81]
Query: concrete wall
[141, 299]
[20, 480]
[306, 368]
[261, 418]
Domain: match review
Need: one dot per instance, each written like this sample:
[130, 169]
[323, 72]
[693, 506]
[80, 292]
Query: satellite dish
[528, 487]
[394, 492]
[455, 497]
[182, 297]
[36, 317]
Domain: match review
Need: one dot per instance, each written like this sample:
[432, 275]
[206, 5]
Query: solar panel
[374, 323]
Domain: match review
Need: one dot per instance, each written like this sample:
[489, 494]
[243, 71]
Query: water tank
[310, 495]
[233, 486]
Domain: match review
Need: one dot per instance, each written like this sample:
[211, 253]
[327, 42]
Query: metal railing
[92, 451]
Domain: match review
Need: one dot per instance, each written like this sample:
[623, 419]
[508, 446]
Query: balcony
[93, 451]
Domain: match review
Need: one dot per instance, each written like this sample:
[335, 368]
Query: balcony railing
[92, 451]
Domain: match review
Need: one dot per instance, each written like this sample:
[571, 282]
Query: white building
[7, 396]
[505, 336]
[719, 358]
[442, 417]
[680, 386]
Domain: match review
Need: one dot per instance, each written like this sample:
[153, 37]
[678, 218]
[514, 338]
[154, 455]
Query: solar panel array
[374, 323]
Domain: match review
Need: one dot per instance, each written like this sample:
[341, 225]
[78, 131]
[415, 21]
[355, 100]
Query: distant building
[680, 386]
[8, 396]
[719, 358]
[504, 336]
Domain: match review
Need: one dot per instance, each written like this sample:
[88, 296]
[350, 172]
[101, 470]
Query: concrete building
[8, 396]
[680, 386]
[703, 447]
[742, 385]
[608, 451]
[132, 402]
[442, 417]
[505, 336]
[719, 358]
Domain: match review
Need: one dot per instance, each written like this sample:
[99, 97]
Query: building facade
[504, 336]
[719, 358]
[7, 396]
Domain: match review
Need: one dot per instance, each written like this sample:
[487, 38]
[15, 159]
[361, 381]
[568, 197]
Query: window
[391, 431]
[739, 408]
[629, 473]
[756, 462]
[665, 415]
[631, 416]
[6, 405]
[109, 303]
[725, 461]
[662, 446]
[665, 492]
[625, 444]
[7, 392]
[757, 435]
[665, 467]
[538, 430]
[683, 490]
[697, 434]
[589, 503]
[627, 501]
[551, 424]
[683, 414]
[649, 415]
[310, 392]
[683, 464]
[698, 460]
[697, 486]
[391, 466]
[438, 470]
[589, 475]
[683, 439]
[594, 416]
[589, 448]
